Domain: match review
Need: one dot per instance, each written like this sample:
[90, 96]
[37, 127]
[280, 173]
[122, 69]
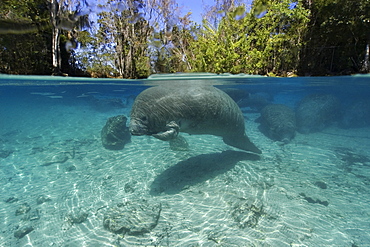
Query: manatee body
[278, 122]
[163, 111]
[316, 112]
[256, 101]
[357, 115]
[236, 94]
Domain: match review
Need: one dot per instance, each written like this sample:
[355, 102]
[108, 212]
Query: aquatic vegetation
[247, 213]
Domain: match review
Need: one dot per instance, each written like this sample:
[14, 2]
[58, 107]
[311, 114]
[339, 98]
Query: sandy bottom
[58, 182]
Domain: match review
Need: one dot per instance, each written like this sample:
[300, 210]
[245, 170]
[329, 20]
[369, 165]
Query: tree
[171, 47]
[214, 13]
[279, 35]
[171, 37]
[338, 37]
[119, 44]
[24, 37]
[32, 32]
[126, 32]
[66, 17]
[134, 39]
[244, 43]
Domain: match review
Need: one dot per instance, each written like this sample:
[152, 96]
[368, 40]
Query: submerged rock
[316, 112]
[23, 231]
[11, 199]
[278, 122]
[77, 217]
[115, 134]
[5, 153]
[23, 208]
[132, 217]
[42, 198]
[34, 215]
[321, 185]
[314, 200]
[70, 168]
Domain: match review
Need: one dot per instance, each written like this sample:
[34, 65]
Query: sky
[196, 7]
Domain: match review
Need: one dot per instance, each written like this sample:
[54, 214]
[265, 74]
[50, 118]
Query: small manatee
[278, 122]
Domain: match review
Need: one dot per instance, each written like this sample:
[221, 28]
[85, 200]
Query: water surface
[59, 185]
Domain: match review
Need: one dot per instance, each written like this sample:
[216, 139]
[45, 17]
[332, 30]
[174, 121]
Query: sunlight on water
[61, 187]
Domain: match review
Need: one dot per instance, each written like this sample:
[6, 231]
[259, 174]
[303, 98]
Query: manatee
[236, 94]
[256, 101]
[278, 122]
[316, 112]
[163, 111]
[356, 115]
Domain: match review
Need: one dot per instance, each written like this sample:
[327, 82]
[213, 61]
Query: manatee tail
[241, 142]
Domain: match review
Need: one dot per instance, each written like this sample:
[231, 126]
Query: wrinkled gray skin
[278, 122]
[316, 112]
[163, 111]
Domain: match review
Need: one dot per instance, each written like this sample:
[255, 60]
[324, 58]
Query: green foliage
[25, 41]
[274, 38]
[270, 44]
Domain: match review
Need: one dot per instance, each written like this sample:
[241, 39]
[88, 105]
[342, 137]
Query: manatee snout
[287, 137]
[287, 133]
[137, 128]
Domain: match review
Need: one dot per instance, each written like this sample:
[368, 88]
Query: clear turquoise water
[58, 182]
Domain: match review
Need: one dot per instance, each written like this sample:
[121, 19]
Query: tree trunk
[55, 49]
[366, 64]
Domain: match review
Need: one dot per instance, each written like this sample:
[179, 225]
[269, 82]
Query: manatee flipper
[241, 142]
[179, 144]
[172, 131]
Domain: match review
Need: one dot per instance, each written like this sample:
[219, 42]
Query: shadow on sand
[196, 170]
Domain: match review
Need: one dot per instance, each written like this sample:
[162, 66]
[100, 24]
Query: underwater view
[185, 160]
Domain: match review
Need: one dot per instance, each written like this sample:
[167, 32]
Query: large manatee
[316, 112]
[163, 111]
[356, 115]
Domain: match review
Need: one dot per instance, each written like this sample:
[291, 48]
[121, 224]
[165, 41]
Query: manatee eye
[144, 118]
